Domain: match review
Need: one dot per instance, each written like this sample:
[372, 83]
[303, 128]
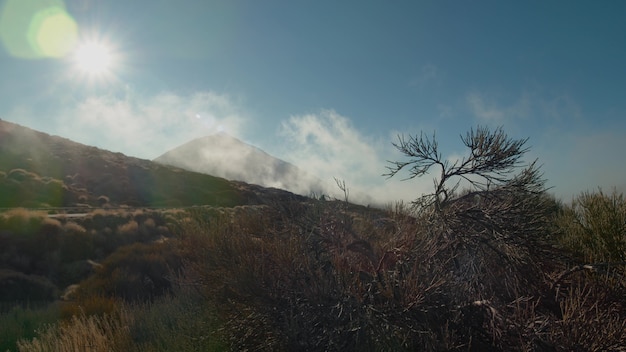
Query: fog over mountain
[225, 156]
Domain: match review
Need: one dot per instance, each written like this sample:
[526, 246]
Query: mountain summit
[225, 156]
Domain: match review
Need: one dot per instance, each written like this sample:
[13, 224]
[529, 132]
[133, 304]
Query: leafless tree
[492, 161]
[494, 235]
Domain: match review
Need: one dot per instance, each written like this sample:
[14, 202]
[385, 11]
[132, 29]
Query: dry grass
[326, 276]
[318, 275]
[592, 317]
[173, 323]
[594, 227]
[24, 213]
[83, 333]
[129, 228]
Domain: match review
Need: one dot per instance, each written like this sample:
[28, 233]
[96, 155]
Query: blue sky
[328, 85]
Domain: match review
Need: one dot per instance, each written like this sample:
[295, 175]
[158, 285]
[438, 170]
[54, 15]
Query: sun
[94, 58]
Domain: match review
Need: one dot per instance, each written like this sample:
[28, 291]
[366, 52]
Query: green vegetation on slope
[39, 170]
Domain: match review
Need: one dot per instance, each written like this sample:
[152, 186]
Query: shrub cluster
[324, 275]
[171, 323]
[136, 272]
[332, 278]
[122, 254]
[22, 188]
[594, 227]
[62, 251]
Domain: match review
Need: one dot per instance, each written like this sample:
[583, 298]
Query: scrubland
[321, 275]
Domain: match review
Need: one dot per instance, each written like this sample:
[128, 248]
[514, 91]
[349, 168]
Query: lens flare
[37, 29]
[53, 33]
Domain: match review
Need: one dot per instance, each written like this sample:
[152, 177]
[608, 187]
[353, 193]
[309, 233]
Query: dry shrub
[180, 322]
[173, 323]
[21, 322]
[129, 229]
[592, 316]
[89, 305]
[136, 272]
[229, 261]
[100, 212]
[19, 287]
[83, 333]
[593, 226]
[474, 275]
[22, 175]
[456, 267]
[137, 212]
[76, 243]
[149, 224]
[72, 227]
[500, 244]
[21, 221]
[310, 283]
[50, 224]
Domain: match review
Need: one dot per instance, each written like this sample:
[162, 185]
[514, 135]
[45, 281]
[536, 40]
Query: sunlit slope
[37, 169]
[225, 156]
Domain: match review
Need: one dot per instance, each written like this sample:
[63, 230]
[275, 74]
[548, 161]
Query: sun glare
[93, 59]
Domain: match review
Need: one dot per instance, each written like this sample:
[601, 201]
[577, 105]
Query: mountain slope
[37, 169]
[225, 156]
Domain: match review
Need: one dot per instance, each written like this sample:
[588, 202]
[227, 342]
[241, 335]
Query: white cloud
[487, 110]
[147, 127]
[561, 108]
[429, 75]
[328, 145]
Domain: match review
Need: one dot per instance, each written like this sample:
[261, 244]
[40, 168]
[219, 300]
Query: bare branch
[491, 162]
[423, 153]
[342, 186]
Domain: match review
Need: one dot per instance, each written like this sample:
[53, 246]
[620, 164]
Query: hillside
[225, 156]
[37, 169]
[504, 269]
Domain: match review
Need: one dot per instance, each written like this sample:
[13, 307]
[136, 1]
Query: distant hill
[225, 156]
[37, 169]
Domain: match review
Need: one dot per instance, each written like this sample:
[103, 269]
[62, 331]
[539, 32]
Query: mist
[225, 156]
[318, 147]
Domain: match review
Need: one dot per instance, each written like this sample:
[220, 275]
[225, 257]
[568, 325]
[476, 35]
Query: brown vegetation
[332, 276]
[501, 266]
